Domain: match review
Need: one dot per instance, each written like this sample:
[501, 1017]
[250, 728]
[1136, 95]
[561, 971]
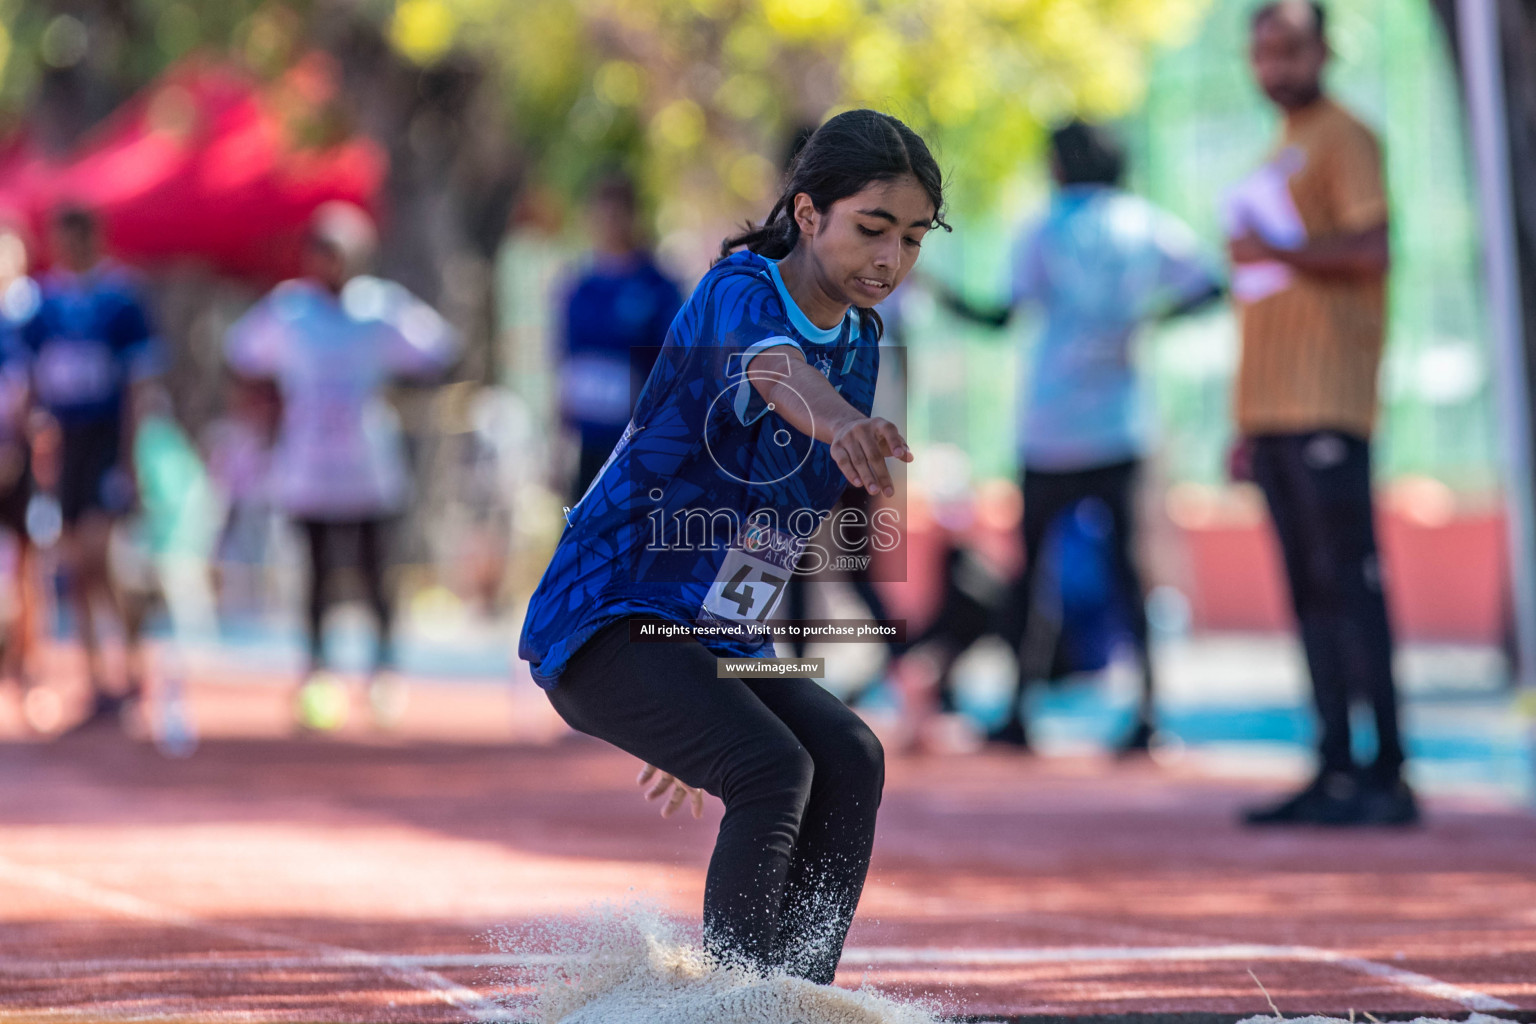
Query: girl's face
[864, 245]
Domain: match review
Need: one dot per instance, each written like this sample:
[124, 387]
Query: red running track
[354, 878]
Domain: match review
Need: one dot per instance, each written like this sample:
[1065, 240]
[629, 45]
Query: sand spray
[633, 965]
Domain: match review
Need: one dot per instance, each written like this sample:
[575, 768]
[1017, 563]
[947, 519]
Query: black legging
[1318, 487]
[800, 776]
[323, 536]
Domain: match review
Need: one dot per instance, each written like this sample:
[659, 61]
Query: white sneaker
[320, 705]
[387, 699]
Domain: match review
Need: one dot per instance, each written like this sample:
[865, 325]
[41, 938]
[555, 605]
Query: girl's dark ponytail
[774, 238]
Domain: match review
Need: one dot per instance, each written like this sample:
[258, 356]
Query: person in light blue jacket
[1099, 265]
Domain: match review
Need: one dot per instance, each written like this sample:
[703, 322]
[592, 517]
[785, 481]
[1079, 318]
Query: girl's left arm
[860, 444]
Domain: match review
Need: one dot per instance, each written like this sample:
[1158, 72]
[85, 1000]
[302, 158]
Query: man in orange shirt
[1309, 251]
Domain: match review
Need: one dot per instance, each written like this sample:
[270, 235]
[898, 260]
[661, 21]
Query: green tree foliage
[702, 96]
[65, 64]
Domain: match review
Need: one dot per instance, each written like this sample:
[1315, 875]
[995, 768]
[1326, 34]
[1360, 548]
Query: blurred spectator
[333, 340]
[18, 302]
[238, 448]
[618, 303]
[1101, 264]
[1309, 248]
[532, 266]
[165, 555]
[90, 343]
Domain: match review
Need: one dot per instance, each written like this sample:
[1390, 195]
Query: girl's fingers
[862, 451]
[843, 457]
[662, 784]
[878, 477]
[675, 801]
[646, 771]
[854, 464]
[893, 443]
[698, 802]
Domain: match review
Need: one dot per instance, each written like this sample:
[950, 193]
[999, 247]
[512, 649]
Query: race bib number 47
[753, 576]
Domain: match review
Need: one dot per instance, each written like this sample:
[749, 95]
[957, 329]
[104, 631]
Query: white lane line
[871, 955]
[237, 962]
[1422, 984]
[411, 975]
[1470, 998]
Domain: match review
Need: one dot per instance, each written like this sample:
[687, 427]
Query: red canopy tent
[205, 163]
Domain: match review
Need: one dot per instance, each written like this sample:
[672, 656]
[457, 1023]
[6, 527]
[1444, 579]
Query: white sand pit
[637, 968]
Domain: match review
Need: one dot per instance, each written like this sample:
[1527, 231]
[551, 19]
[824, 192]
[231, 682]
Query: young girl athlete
[753, 420]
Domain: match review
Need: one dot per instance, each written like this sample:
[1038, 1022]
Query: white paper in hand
[1261, 204]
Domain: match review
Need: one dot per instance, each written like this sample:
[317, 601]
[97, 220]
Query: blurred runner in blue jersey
[333, 340]
[754, 419]
[90, 344]
[1101, 264]
[620, 303]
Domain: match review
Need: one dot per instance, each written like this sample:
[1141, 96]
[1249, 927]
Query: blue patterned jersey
[703, 508]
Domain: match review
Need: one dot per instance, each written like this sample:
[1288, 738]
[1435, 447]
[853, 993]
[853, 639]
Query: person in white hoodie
[333, 340]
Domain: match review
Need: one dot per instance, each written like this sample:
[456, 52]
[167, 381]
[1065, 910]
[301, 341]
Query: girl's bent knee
[861, 759]
[782, 771]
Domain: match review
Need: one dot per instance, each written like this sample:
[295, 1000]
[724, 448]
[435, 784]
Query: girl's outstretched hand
[680, 791]
[860, 448]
